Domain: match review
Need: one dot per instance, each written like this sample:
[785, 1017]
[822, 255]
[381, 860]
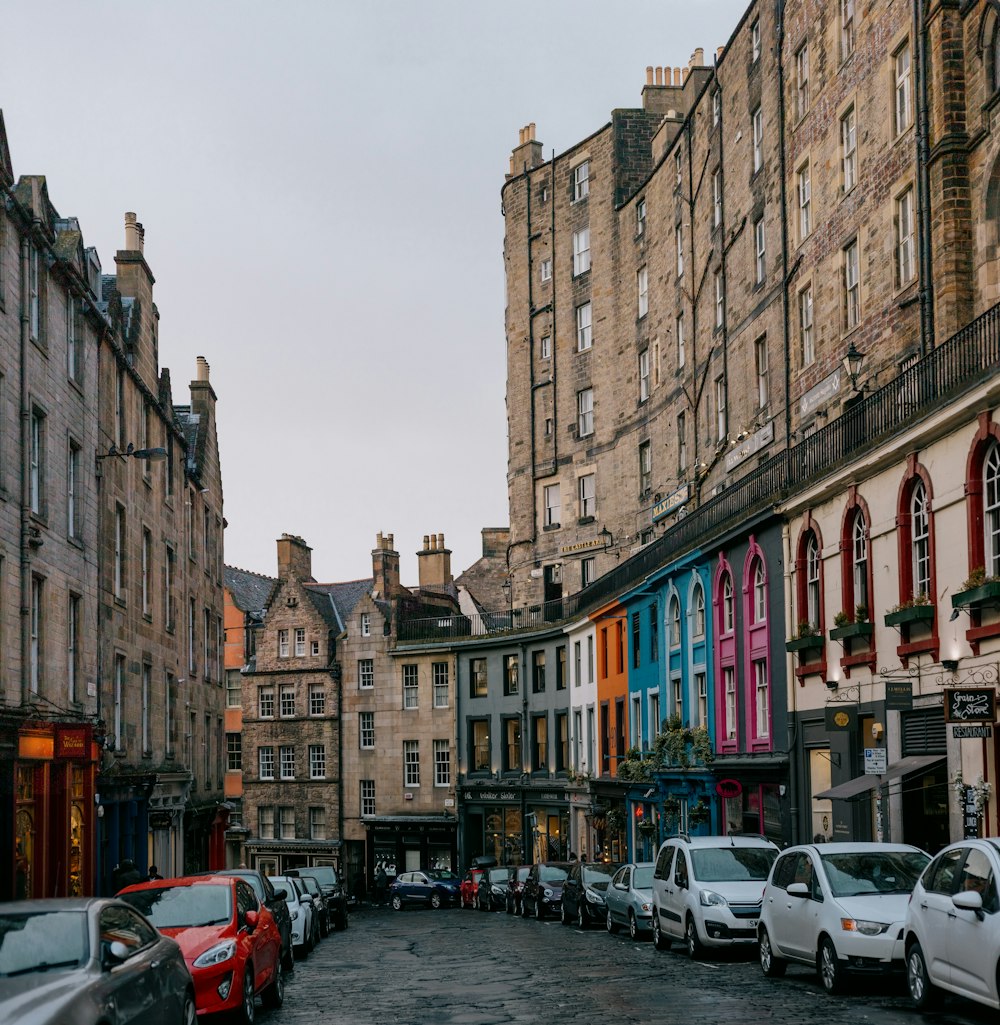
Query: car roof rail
[750, 836]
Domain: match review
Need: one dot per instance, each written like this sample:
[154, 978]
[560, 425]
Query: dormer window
[366, 624]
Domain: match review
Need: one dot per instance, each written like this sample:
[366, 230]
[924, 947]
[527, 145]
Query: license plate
[751, 923]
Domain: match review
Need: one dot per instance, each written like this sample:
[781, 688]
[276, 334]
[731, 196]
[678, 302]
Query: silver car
[88, 960]
[629, 899]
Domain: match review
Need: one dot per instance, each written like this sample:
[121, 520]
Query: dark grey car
[90, 960]
[584, 891]
[630, 899]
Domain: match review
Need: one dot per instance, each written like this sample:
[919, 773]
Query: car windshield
[732, 864]
[180, 907]
[551, 874]
[642, 878]
[498, 875]
[325, 875]
[442, 875]
[289, 886]
[42, 941]
[598, 876]
[851, 875]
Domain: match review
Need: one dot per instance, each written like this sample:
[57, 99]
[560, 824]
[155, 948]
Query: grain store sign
[970, 704]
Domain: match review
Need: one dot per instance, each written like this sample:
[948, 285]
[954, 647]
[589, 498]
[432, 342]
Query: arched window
[728, 620]
[859, 559]
[699, 611]
[759, 593]
[991, 510]
[920, 541]
[995, 57]
[812, 582]
[675, 623]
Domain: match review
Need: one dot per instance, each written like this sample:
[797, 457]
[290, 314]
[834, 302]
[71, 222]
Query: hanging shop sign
[981, 732]
[970, 704]
[729, 788]
[841, 717]
[672, 502]
[898, 695]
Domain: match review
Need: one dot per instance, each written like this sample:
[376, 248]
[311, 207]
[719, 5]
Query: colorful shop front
[517, 822]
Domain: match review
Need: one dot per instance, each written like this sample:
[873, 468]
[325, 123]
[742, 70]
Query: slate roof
[250, 591]
[336, 602]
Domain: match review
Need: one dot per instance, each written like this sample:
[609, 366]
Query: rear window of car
[598, 875]
[326, 875]
[642, 878]
[851, 875]
[732, 864]
[180, 907]
[498, 875]
[551, 874]
[442, 875]
[42, 941]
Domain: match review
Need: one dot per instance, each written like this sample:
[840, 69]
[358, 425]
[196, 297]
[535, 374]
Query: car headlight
[710, 899]
[216, 955]
[864, 927]
[295, 914]
[496, 890]
[644, 906]
[546, 892]
[594, 898]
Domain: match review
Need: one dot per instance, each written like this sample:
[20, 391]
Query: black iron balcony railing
[955, 366]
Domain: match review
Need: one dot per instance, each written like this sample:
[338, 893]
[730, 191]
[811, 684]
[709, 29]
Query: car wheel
[524, 908]
[773, 967]
[581, 917]
[660, 941]
[435, 900]
[247, 1005]
[633, 926]
[828, 965]
[274, 995]
[539, 912]
[397, 902]
[691, 941]
[924, 993]
[563, 917]
[288, 956]
[343, 920]
[189, 1013]
[609, 923]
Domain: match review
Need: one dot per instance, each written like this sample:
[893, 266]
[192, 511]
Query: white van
[707, 890]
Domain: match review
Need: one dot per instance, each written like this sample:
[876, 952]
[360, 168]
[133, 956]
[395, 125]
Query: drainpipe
[791, 727]
[924, 250]
[25, 415]
[786, 339]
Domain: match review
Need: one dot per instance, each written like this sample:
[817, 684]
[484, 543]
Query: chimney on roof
[495, 541]
[294, 558]
[434, 564]
[528, 152]
[134, 234]
[385, 566]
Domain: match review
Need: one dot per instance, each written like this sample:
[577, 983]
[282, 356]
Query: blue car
[436, 888]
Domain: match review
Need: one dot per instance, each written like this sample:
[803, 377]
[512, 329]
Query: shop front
[276, 857]
[409, 843]
[753, 793]
[516, 823]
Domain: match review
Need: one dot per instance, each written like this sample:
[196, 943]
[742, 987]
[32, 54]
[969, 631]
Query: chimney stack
[294, 558]
[528, 152]
[134, 234]
[385, 566]
[434, 564]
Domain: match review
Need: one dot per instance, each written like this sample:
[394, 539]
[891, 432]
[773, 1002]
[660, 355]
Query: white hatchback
[953, 926]
[838, 907]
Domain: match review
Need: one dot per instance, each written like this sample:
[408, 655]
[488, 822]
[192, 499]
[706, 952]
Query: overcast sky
[320, 187]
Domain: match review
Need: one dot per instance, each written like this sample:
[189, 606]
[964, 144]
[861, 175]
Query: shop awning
[862, 784]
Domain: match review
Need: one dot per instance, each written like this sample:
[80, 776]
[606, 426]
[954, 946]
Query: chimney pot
[699, 57]
[718, 53]
[133, 233]
[531, 129]
[684, 75]
[659, 76]
[203, 368]
[649, 74]
[678, 77]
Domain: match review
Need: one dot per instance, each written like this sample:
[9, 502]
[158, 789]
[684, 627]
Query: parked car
[707, 890]
[229, 939]
[629, 899]
[332, 888]
[952, 928]
[305, 918]
[839, 908]
[88, 961]
[542, 893]
[491, 893]
[321, 911]
[273, 901]
[470, 886]
[584, 891]
[516, 875]
[437, 887]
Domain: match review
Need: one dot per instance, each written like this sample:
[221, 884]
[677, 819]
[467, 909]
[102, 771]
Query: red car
[230, 942]
[470, 884]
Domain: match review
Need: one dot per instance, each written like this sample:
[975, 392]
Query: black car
[542, 893]
[274, 901]
[332, 889]
[491, 894]
[313, 890]
[583, 893]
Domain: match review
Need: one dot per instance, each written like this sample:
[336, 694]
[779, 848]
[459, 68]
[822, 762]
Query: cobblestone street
[466, 968]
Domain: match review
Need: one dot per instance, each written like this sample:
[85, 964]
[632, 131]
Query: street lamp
[852, 364]
[154, 455]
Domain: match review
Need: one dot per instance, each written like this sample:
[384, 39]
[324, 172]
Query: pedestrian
[583, 859]
[154, 873]
[381, 880]
[126, 874]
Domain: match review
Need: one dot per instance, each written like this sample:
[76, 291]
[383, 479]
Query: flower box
[811, 642]
[984, 594]
[865, 629]
[911, 614]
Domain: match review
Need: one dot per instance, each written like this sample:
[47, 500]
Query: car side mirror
[797, 890]
[969, 900]
[620, 886]
[680, 881]
[280, 894]
[117, 952]
[250, 920]
[306, 898]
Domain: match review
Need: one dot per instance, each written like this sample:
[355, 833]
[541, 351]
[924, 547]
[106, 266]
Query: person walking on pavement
[381, 879]
[125, 875]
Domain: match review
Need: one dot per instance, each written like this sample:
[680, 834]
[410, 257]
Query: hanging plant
[699, 812]
[615, 821]
[671, 808]
[647, 827]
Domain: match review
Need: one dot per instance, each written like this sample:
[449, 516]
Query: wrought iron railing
[955, 366]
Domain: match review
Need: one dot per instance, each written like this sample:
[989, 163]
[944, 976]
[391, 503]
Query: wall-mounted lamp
[607, 537]
[950, 664]
[955, 613]
[154, 455]
[852, 364]
[832, 684]
[507, 588]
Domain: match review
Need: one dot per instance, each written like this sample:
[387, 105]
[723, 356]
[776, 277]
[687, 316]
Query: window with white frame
[654, 713]
[317, 822]
[286, 758]
[760, 360]
[644, 375]
[478, 678]
[587, 495]
[282, 644]
[759, 592]
[682, 456]
[920, 541]
[585, 412]
[645, 467]
[584, 336]
[234, 689]
[698, 601]
[676, 698]
[317, 761]
[762, 693]
[366, 730]
[642, 288]
[439, 676]
[234, 752]
[701, 689]
[73, 482]
[581, 251]
[286, 822]
[681, 345]
[852, 286]
[286, 700]
[901, 69]
[635, 722]
[34, 294]
[366, 673]
[581, 181]
[588, 570]
[366, 624]
[807, 345]
[300, 642]
[802, 80]
[367, 797]
[728, 621]
[317, 699]
[758, 138]
[411, 763]
[553, 505]
[716, 197]
[804, 191]
[145, 556]
[679, 243]
[729, 690]
[546, 270]
[545, 347]
[442, 763]
[410, 690]
[905, 263]
[812, 582]
[722, 420]
[675, 623]
[716, 108]
[265, 702]
[720, 300]
[755, 41]
[760, 251]
[265, 761]
[847, 29]
[849, 149]
[640, 217]
[859, 559]
[991, 510]
[119, 565]
[265, 821]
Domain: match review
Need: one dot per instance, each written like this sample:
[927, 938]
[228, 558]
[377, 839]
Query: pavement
[455, 967]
